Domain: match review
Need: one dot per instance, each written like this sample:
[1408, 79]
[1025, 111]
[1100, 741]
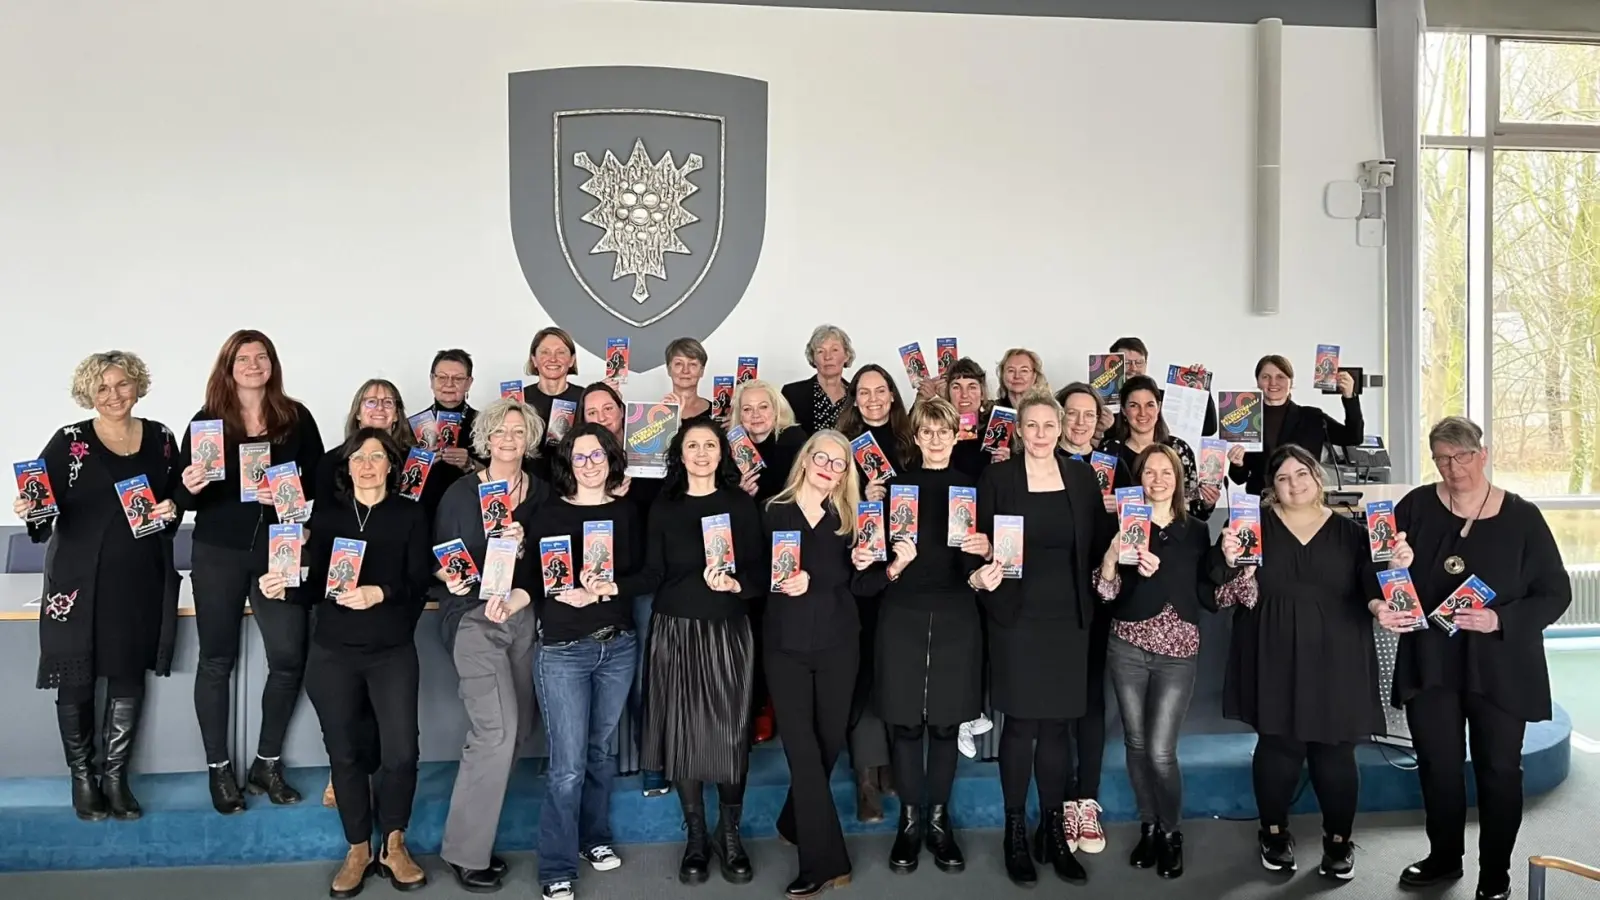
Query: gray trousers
[495, 665]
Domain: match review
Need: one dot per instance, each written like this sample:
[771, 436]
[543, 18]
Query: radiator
[1585, 608]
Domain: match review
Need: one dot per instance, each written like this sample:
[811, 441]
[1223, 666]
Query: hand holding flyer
[869, 529]
[599, 550]
[206, 448]
[903, 503]
[916, 366]
[871, 458]
[33, 486]
[1244, 520]
[288, 495]
[785, 556]
[555, 564]
[716, 537]
[283, 551]
[1382, 532]
[499, 563]
[1133, 533]
[1401, 596]
[456, 562]
[618, 359]
[945, 354]
[414, 474]
[1472, 594]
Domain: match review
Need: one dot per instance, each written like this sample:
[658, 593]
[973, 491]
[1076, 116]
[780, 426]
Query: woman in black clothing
[1082, 410]
[968, 387]
[1287, 422]
[1490, 679]
[930, 650]
[553, 358]
[245, 391]
[1135, 362]
[377, 404]
[1143, 426]
[697, 718]
[1302, 668]
[811, 631]
[110, 600]
[1039, 627]
[363, 658]
[765, 415]
[819, 400]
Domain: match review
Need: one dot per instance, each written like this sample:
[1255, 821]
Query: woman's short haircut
[1456, 431]
[967, 367]
[934, 411]
[1280, 362]
[561, 335]
[493, 417]
[686, 347]
[782, 412]
[87, 377]
[562, 478]
[1079, 387]
[824, 332]
[353, 444]
[1124, 344]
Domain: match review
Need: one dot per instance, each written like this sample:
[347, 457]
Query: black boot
[941, 839]
[696, 865]
[1169, 854]
[122, 726]
[76, 723]
[266, 777]
[1430, 871]
[1019, 864]
[907, 840]
[729, 848]
[1056, 850]
[1144, 852]
[225, 796]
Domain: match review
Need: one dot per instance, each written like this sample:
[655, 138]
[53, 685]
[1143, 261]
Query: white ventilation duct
[1269, 152]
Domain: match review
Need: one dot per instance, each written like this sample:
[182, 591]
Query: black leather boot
[1019, 863]
[266, 777]
[869, 799]
[225, 796]
[1144, 852]
[1169, 854]
[76, 723]
[696, 865]
[729, 847]
[907, 840]
[121, 728]
[941, 839]
[1056, 850]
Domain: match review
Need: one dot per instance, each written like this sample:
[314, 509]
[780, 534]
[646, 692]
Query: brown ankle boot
[398, 866]
[347, 882]
[328, 798]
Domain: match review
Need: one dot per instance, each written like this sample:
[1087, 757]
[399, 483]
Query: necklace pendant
[1455, 565]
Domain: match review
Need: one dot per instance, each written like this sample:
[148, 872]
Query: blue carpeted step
[39, 831]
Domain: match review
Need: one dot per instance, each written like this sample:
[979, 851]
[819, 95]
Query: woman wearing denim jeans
[584, 664]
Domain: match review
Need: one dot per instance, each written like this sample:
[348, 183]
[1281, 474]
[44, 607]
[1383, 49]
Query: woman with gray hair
[1480, 670]
[817, 401]
[110, 601]
[493, 652]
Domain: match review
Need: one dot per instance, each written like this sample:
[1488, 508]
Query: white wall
[334, 172]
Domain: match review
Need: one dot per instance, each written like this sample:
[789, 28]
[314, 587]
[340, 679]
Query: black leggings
[116, 689]
[1040, 748]
[911, 775]
[1275, 770]
[692, 794]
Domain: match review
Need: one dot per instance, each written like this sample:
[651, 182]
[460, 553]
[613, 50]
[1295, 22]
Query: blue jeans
[642, 607]
[582, 687]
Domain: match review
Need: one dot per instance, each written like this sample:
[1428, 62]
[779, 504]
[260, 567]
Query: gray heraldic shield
[638, 199]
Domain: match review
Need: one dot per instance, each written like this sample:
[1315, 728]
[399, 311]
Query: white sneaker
[965, 742]
[1091, 837]
[981, 725]
[1069, 823]
[602, 857]
[560, 890]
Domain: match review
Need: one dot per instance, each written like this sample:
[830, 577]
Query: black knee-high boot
[76, 722]
[121, 730]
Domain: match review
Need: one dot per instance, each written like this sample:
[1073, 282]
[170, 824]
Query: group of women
[896, 658]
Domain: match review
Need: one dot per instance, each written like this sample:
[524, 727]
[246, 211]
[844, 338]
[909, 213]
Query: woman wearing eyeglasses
[811, 631]
[1480, 687]
[377, 404]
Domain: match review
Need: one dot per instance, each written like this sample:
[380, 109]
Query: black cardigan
[221, 519]
[1182, 580]
[1309, 427]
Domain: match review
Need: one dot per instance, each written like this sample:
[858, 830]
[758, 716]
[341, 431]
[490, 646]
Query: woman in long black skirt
[697, 714]
[930, 653]
[1302, 668]
[1039, 627]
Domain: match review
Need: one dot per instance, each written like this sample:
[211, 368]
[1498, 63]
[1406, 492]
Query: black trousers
[116, 689]
[223, 578]
[759, 694]
[1276, 768]
[1444, 723]
[914, 775]
[811, 701]
[868, 734]
[1034, 748]
[341, 684]
[1089, 732]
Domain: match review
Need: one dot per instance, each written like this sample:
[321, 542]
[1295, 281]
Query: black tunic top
[825, 616]
[1302, 663]
[778, 451]
[221, 518]
[461, 517]
[1307, 426]
[937, 578]
[558, 517]
[397, 560]
[1516, 556]
[675, 560]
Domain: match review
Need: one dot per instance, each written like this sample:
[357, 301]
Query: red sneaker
[761, 732]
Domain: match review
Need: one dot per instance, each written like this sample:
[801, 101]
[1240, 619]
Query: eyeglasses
[823, 461]
[585, 460]
[451, 380]
[376, 403]
[929, 434]
[1454, 459]
[368, 459]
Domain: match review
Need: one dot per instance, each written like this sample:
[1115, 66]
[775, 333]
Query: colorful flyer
[967, 426]
[1190, 377]
[511, 390]
[499, 564]
[425, 428]
[288, 494]
[745, 455]
[647, 433]
[716, 536]
[600, 550]
[1472, 594]
[456, 561]
[344, 567]
[207, 448]
[449, 427]
[139, 505]
[1244, 519]
[1126, 495]
[870, 457]
[963, 520]
[1106, 374]
[283, 551]
[1212, 467]
[563, 414]
[869, 529]
[945, 354]
[33, 485]
[1325, 376]
[555, 564]
[785, 556]
[721, 397]
[254, 461]
[746, 370]
[494, 499]
[414, 474]
[618, 360]
[1105, 471]
[1241, 418]
[1382, 531]
[1133, 532]
[903, 507]
[1000, 430]
[916, 366]
[1401, 595]
[1008, 545]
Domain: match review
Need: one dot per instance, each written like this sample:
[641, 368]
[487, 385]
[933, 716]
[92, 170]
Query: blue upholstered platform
[179, 828]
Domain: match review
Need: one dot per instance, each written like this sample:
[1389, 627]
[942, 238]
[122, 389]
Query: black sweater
[937, 579]
[223, 520]
[1183, 578]
[778, 452]
[675, 559]
[557, 517]
[1307, 426]
[398, 560]
[824, 616]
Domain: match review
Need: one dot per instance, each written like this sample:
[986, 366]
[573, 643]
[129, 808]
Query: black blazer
[1309, 427]
[798, 393]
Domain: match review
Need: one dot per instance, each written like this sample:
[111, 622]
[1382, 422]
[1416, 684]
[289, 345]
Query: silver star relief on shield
[640, 209]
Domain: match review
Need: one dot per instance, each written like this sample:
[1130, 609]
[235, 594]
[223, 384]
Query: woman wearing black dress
[930, 647]
[819, 400]
[1039, 628]
[110, 601]
[1302, 668]
[1487, 681]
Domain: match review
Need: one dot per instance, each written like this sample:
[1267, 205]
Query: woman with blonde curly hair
[110, 590]
[1021, 374]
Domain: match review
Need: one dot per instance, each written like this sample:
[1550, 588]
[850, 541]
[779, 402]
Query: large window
[1510, 327]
